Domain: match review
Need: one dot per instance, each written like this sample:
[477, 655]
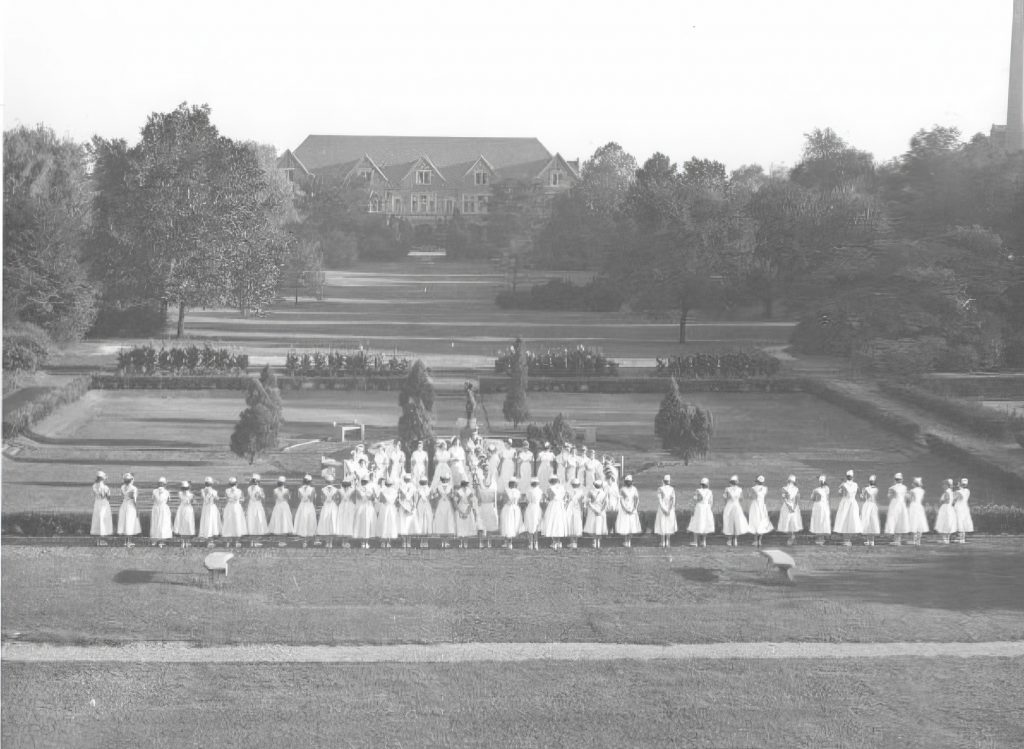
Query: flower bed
[724, 365]
[190, 360]
[561, 362]
[344, 364]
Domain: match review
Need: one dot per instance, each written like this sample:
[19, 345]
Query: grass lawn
[730, 703]
[184, 435]
[934, 593]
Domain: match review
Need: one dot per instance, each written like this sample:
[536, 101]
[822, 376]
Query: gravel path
[476, 652]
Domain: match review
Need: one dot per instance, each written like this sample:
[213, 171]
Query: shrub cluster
[599, 295]
[26, 347]
[987, 422]
[132, 321]
[20, 420]
[343, 363]
[189, 360]
[558, 432]
[577, 360]
[727, 364]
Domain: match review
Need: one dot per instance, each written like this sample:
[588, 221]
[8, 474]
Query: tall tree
[416, 399]
[45, 226]
[515, 408]
[257, 429]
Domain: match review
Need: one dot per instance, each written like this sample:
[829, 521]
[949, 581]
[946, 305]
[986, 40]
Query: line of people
[368, 507]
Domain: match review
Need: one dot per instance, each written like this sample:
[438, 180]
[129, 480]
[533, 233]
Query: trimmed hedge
[181, 360]
[726, 364]
[22, 419]
[359, 363]
[980, 462]
[652, 384]
[994, 386]
[352, 382]
[987, 422]
[566, 361]
[993, 519]
[169, 382]
[863, 408]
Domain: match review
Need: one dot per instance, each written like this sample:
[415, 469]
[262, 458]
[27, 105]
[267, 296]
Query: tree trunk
[683, 314]
[181, 319]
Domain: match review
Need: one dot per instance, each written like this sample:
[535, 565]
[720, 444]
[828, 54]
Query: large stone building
[427, 179]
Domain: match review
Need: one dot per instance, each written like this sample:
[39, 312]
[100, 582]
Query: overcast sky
[735, 80]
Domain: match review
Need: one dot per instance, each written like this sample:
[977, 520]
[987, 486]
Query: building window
[414, 204]
[469, 204]
[480, 178]
[289, 175]
[423, 202]
[374, 204]
[481, 203]
[422, 176]
[556, 178]
[449, 206]
[365, 174]
[398, 205]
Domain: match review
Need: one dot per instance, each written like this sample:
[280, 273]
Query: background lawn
[946, 594]
[730, 703]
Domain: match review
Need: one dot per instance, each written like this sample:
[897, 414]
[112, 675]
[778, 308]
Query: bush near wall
[22, 419]
[344, 364]
[25, 347]
[561, 361]
[990, 519]
[987, 422]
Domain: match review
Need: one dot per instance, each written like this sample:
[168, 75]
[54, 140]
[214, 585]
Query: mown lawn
[901, 702]
[718, 594]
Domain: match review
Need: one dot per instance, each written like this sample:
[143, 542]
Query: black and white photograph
[512, 374]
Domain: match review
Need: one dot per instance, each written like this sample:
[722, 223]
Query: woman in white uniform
[281, 517]
[945, 521]
[524, 460]
[897, 522]
[575, 498]
[185, 517]
[304, 523]
[424, 512]
[848, 513]
[553, 525]
[546, 465]
[209, 518]
[408, 520]
[102, 520]
[487, 509]
[418, 463]
[465, 514]
[627, 522]
[734, 522]
[916, 518]
[757, 512]
[128, 524]
[507, 465]
[345, 525]
[160, 526]
[327, 521]
[234, 516]
[703, 520]
[821, 511]
[387, 513]
[869, 524]
[964, 521]
[457, 463]
[532, 515]
[665, 523]
[442, 468]
[365, 517]
[511, 519]
[255, 515]
[444, 513]
[597, 513]
[790, 519]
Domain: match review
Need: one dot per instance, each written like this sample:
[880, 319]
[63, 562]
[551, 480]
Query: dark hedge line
[239, 382]
[986, 422]
[1008, 385]
[651, 384]
[22, 419]
[863, 408]
[994, 519]
[943, 446]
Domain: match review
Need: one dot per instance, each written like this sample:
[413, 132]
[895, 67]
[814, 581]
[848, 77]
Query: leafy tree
[257, 429]
[684, 429]
[605, 179]
[416, 399]
[45, 226]
[304, 268]
[670, 412]
[515, 408]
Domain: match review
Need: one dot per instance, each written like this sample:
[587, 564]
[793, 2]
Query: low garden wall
[650, 384]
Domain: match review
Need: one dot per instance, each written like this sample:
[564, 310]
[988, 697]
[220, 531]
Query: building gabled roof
[289, 160]
[535, 169]
[318, 151]
[395, 173]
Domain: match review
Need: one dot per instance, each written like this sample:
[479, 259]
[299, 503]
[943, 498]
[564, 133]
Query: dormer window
[481, 178]
[556, 178]
[422, 176]
[365, 174]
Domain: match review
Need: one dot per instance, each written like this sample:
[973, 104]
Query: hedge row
[181, 360]
[359, 363]
[992, 519]
[22, 419]
[646, 385]
[863, 408]
[987, 422]
[566, 361]
[980, 462]
[727, 364]
[995, 386]
[239, 382]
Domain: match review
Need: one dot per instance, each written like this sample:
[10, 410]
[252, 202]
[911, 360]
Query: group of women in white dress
[498, 492]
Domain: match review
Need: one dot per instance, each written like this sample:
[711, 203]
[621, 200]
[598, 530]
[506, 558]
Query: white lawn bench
[354, 426]
[216, 563]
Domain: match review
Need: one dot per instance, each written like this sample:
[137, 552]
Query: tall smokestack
[1015, 105]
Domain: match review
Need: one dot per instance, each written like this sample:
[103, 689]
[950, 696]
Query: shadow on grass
[155, 577]
[958, 580]
[699, 574]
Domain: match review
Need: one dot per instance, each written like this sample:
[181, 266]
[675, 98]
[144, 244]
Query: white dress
[525, 471]
[611, 485]
[387, 513]
[545, 467]
[896, 519]
[734, 522]
[703, 520]
[304, 523]
[441, 468]
[327, 522]
[209, 520]
[281, 518]
[424, 513]
[408, 519]
[102, 520]
[627, 522]
[757, 512]
[418, 465]
[185, 517]
[821, 512]
[365, 518]
[945, 521]
[506, 467]
[848, 513]
[532, 515]
[346, 520]
[487, 510]
[511, 519]
[160, 526]
[255, 515]
[553, 524]
[574, 499]
[790, 519]
[560, 469]
[916, 518]
[964, 522]
[465, 513]
[597, 518]
[444, 512]
[234, 517]
[665, 523]
[869, 523]
[457, 462]
[128, 513]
